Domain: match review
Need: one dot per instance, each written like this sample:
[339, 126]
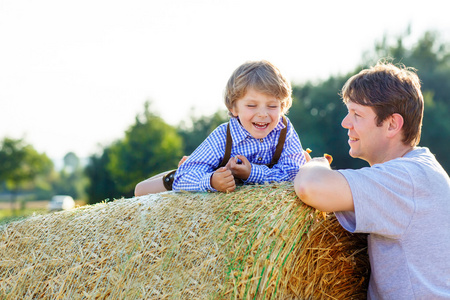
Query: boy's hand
[223, 180]
[240, 167]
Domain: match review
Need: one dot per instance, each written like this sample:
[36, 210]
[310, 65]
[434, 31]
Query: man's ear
[395, 124]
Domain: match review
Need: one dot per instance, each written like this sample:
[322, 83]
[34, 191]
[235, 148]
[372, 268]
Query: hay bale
[259, 242]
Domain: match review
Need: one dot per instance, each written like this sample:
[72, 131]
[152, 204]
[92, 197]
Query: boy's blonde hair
[262, 76]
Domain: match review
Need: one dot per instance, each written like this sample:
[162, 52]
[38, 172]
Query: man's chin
[353, 154]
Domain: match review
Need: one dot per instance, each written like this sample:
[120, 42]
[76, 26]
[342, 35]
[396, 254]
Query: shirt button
[261, 140]
[259, 158]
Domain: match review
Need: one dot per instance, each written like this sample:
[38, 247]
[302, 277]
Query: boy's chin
[259, 135]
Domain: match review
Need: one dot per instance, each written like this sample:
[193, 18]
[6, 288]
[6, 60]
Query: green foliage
[21, 164]
[101, 184]
[22, 168]
[200, 128]
[318, 110]
[316, 113]
[150, 146]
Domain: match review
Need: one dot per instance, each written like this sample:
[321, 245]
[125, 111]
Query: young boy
[257, 97]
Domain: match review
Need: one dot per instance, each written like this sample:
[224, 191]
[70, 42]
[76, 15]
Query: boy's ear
[233, 111]
[395, 124]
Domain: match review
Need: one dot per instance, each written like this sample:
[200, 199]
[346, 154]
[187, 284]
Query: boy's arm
[196, 172]
[322, 188]
[287, 166]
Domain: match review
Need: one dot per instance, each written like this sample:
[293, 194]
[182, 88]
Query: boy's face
[259, 113]
[367, 140]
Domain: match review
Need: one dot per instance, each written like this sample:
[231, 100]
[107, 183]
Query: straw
[259, 242]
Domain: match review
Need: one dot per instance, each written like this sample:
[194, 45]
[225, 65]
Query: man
[402, 200]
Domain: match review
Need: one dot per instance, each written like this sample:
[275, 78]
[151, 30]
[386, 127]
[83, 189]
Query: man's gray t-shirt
[404, 205]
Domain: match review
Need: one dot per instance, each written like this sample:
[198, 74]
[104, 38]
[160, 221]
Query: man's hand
[223, 180]
[317, 185]
[239, 166]
[308, 157]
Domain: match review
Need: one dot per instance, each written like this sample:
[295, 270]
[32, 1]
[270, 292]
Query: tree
[317, 109]
[101, 184]
[20, 165]
[316, 112]
[199, 129]
[150, 146]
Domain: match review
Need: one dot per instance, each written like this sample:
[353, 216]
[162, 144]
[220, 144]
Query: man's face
[367, 140]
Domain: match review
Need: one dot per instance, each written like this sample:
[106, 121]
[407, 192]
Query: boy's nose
[262, 113]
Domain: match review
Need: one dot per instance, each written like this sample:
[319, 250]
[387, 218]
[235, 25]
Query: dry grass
[259, 242]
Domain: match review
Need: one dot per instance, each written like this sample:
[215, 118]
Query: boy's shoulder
[220, 130]
[218, 135]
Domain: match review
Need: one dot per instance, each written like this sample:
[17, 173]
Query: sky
[74, 74]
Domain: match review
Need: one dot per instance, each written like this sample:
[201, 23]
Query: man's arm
[322, 188]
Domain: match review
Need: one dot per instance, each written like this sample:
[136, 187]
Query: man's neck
[395, 152]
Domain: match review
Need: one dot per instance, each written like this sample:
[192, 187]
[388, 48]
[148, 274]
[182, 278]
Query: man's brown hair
[389, 89]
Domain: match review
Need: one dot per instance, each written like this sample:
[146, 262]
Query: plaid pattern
[195, 173]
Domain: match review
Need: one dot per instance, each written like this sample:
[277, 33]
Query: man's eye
[251, 105]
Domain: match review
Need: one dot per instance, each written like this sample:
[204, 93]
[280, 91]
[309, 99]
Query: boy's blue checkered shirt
[195, 173]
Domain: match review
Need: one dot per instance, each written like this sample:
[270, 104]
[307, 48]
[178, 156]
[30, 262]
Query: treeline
[318, 110]
[151, 146]
[28, 175]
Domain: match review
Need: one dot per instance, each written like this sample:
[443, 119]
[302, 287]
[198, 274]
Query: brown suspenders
[228, 145]
[276, 155]
[168, 178]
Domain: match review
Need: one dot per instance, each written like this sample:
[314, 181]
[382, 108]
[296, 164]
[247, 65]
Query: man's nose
[346, 122]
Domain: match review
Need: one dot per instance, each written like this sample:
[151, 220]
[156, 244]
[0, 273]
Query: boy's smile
[261, 125]
[258, 113]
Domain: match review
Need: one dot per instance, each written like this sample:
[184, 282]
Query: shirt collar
[239, 133]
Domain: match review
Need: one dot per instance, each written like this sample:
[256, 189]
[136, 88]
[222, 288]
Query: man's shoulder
[422, 161]
[418, 169]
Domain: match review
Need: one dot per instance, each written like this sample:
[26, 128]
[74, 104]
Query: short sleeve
[383, 200]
